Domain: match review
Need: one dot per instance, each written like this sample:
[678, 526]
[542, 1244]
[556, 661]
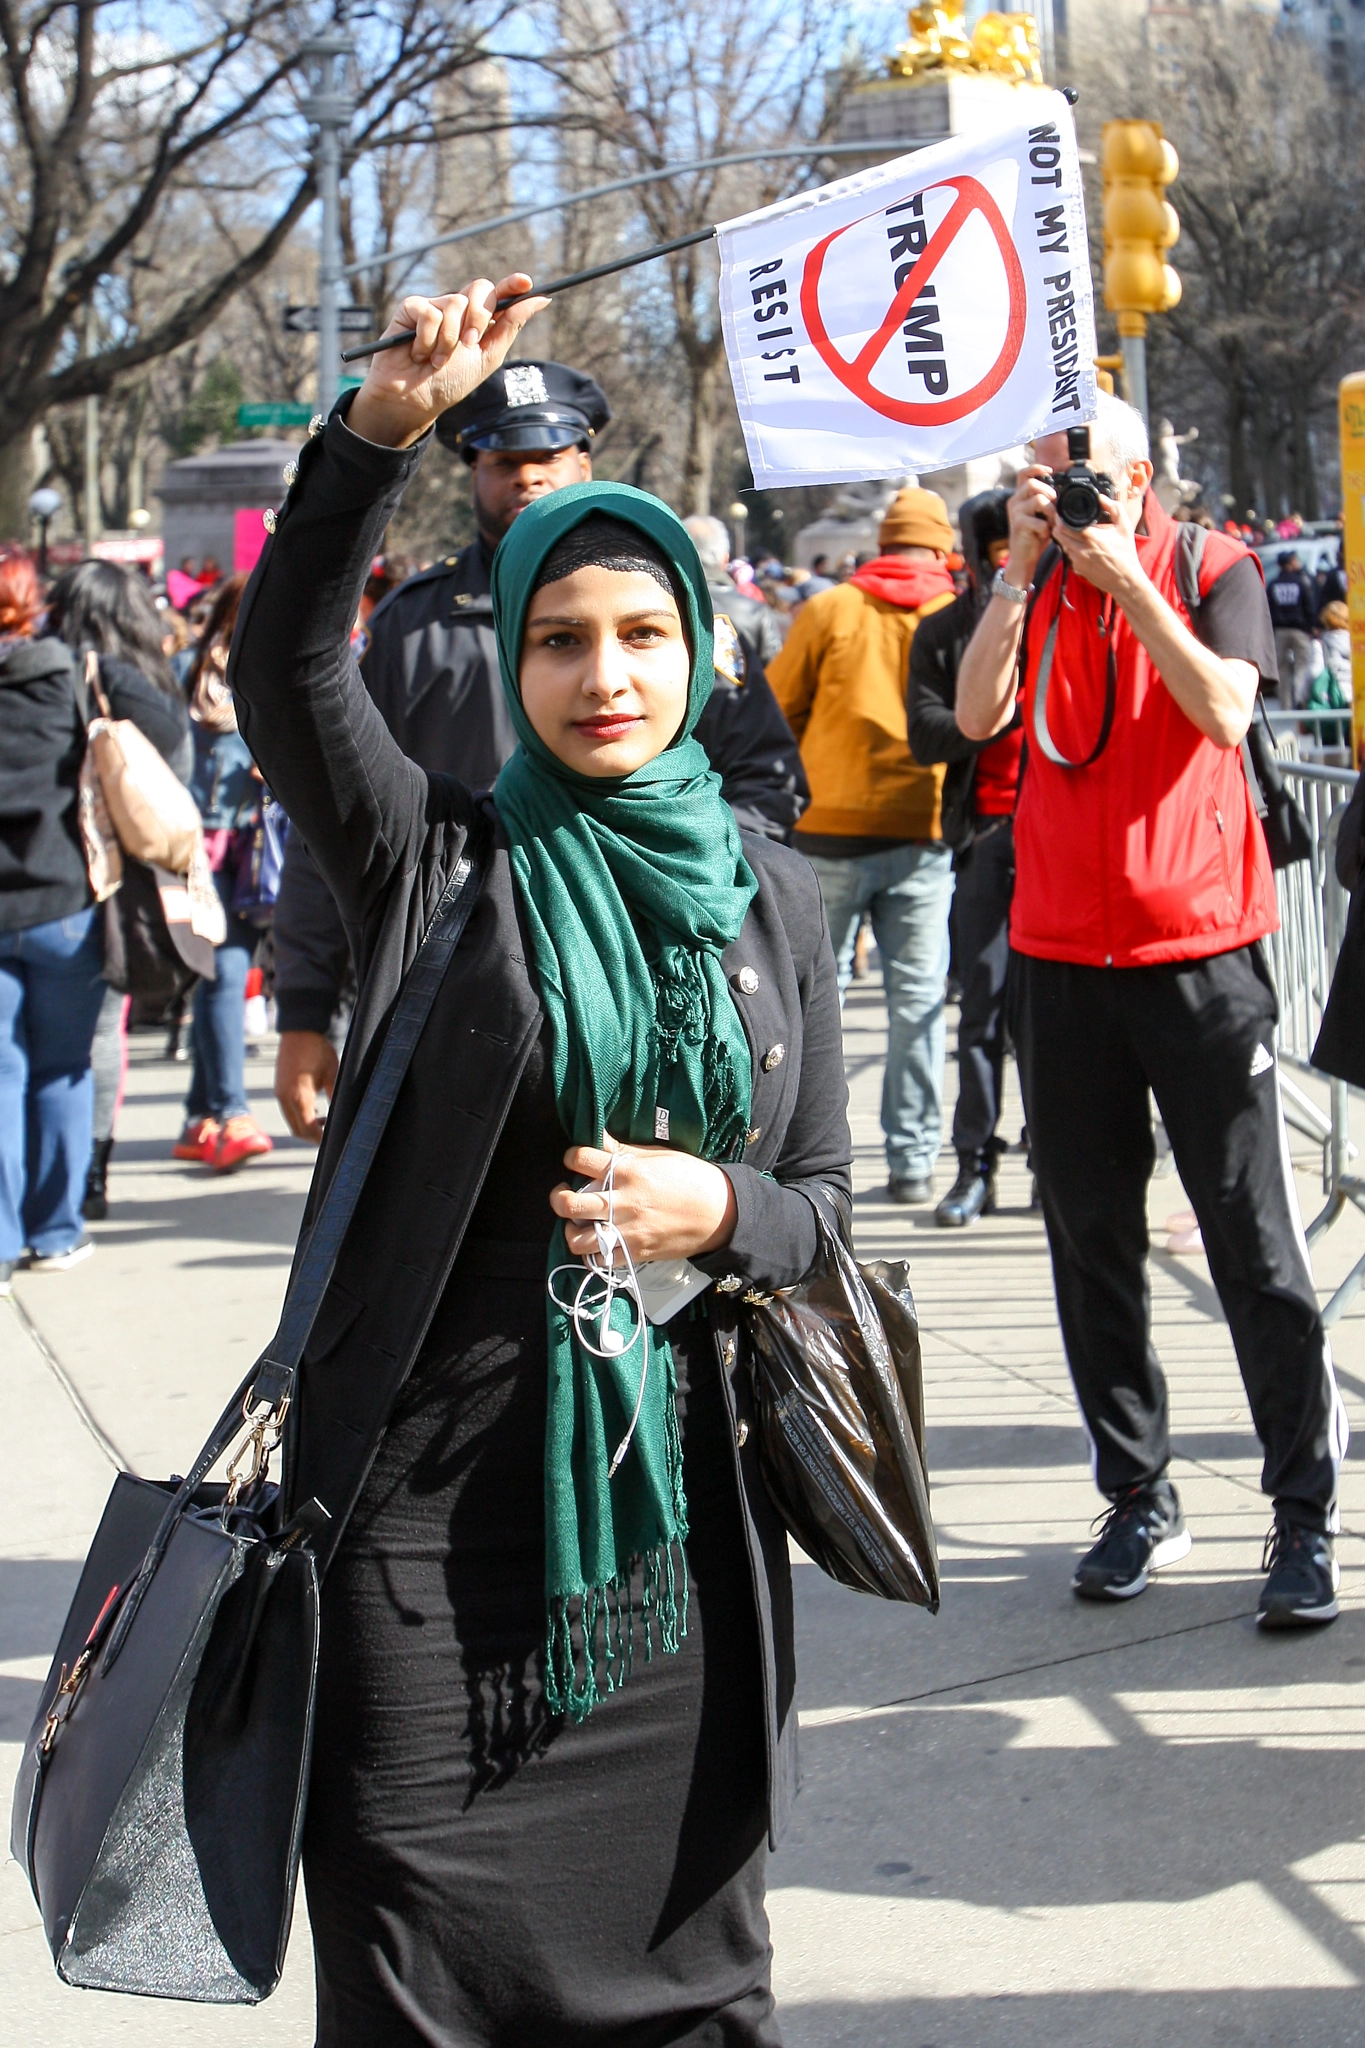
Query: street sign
[283, 412]
[307, 319]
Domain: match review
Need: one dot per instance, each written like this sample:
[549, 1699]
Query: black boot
[95, 1207]
[972, 1193]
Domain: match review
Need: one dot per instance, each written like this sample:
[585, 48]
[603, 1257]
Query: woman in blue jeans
[51, 953]
[219, 1128]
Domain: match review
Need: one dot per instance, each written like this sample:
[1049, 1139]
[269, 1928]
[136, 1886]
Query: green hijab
[631, 887]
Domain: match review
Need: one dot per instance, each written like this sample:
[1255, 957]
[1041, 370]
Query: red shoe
[197, 1141]
[240, 1139]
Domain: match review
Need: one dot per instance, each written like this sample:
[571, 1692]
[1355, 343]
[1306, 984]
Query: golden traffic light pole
[1140, 225]
[1352, 414]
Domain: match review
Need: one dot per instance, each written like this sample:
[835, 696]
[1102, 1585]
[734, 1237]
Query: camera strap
[1044, 677]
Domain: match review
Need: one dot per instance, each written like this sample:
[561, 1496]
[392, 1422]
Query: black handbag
[159, 1804]
[151, 949]
[839, 1396]
[1287, 834]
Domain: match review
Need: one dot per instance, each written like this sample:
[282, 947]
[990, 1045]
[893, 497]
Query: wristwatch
[1011, 592]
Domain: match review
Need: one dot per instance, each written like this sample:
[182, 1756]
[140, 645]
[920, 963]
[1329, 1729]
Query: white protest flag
[915, 315]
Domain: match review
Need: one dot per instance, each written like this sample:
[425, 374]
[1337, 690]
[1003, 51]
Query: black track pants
[1091, 1041]
[981, 914]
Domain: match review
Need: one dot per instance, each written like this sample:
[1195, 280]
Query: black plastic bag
[840, 1402]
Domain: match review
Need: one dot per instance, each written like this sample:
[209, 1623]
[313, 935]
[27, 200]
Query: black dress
[478, 1870]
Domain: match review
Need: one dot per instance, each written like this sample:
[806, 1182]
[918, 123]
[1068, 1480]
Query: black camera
[1080, 488]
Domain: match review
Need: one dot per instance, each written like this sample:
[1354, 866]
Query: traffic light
[1140, 224]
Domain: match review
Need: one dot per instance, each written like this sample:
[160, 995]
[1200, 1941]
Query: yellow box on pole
[1352, 414]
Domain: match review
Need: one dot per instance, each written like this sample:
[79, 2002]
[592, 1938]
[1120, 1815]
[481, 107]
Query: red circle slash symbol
[971, 197]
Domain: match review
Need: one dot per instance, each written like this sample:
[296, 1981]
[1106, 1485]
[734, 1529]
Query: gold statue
[938, 42]
[1008, 45]
[938, 46]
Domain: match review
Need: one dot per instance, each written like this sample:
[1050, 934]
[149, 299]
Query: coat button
[747, 981]
[463, 598]
[291, 472]
[268, 519]
[315, 426]
[742, 1434]
[727, 1351]
[773, 1057]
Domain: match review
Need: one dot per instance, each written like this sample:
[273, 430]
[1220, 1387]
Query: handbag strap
[93, 684]
[267, 1389]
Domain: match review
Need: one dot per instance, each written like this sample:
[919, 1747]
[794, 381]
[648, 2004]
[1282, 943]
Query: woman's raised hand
[666, 1204]
[459, 340]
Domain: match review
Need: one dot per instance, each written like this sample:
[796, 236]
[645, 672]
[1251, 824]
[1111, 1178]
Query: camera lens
[1078, 503]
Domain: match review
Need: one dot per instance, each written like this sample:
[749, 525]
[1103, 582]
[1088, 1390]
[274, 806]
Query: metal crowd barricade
[1303, 957]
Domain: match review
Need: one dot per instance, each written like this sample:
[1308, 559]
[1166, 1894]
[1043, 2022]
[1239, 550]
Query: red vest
[1155, 852]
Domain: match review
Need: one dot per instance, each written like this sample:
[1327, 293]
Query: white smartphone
[667, 1285]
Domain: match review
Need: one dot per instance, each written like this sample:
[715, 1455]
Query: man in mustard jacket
[873, 832]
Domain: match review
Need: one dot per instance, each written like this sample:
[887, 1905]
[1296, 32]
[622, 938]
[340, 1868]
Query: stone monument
[202, 494]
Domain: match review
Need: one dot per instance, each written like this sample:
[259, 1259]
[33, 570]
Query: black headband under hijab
[600, 542]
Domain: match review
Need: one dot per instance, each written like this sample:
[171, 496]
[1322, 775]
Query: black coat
[385, 834]
[430, 661]
[1340, 1049]
[42, 744]
[935, 656]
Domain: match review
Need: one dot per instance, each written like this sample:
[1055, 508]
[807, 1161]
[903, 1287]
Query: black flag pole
[544, 291]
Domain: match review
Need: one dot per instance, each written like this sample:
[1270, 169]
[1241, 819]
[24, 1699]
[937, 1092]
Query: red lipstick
[610, 725]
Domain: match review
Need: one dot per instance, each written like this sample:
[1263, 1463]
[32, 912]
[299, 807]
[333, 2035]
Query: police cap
[526, 405]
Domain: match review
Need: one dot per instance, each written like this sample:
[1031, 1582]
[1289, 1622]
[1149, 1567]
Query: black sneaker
[1301, 1589]
[972, 1193]
[910, 1187]
[1143, 1531]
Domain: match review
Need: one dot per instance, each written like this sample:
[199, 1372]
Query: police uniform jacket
[385, 834]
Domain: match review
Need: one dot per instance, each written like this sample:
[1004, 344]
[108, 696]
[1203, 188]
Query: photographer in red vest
[1143, 892]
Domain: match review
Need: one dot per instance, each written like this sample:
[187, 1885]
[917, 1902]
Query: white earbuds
[598, 1270]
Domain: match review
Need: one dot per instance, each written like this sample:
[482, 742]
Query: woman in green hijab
[556, 1722]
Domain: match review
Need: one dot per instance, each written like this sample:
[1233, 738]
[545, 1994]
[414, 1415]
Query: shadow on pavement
[1112, 2019]
[34, 1596]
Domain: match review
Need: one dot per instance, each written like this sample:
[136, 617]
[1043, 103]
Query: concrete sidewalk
[1025, 1821]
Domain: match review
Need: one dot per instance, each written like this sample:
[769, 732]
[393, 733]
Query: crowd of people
[953, 750]
[97, 645]
[685, 787]
[843, 733]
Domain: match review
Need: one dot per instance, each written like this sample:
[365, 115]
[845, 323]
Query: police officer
[1294, 616]
[429, 659]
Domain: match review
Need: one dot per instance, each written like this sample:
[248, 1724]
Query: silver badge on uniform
[524, 384]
